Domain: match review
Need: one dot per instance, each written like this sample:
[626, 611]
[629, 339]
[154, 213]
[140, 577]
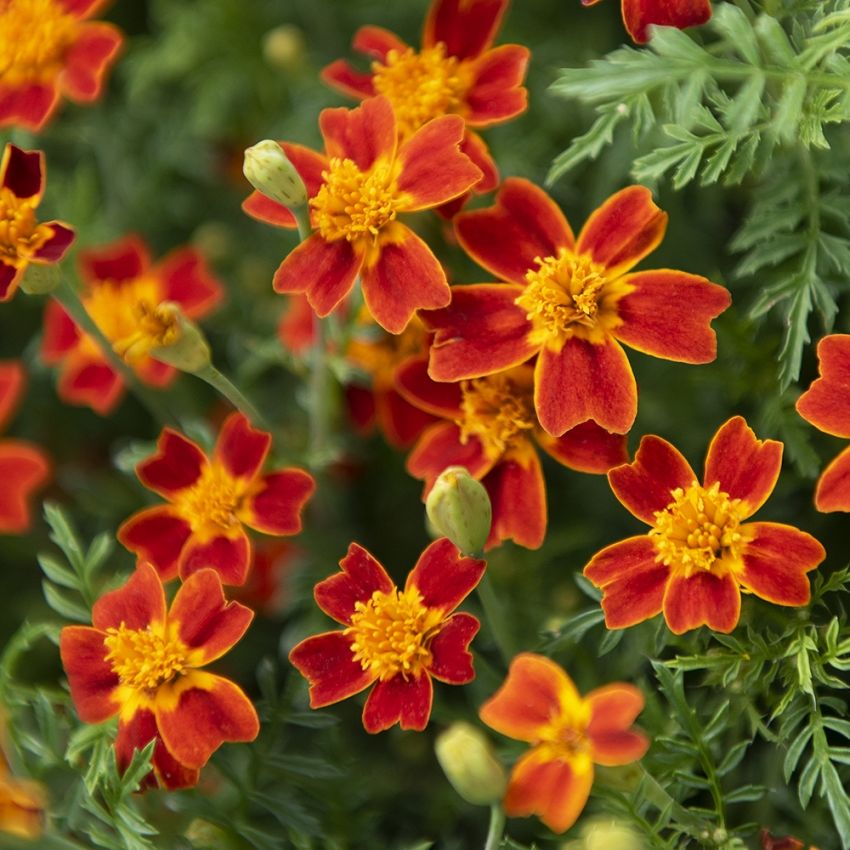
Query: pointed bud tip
[268, 169]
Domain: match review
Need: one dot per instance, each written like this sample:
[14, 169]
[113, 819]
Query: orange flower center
[144, 659]
[212, 503]
[569, 296]
[20, 234]
[422, 86]
[381, 355]
[565, 737]
[36, 35]
[497, 410]
[392, 633]
[700, 531]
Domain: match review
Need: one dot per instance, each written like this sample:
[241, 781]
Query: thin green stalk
[233, 394]
[494, 614]
[497, 828]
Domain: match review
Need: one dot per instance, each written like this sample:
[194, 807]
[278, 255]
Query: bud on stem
[467, 760]
[269, 170]
[459, 508]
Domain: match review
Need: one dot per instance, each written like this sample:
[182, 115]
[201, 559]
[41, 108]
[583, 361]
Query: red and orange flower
[638, 15]
[571, 302]
[143, 664]
[128, 298]
[488, 426]
[358, 189]
[699, 553]
[23, 239]
[396, 640]
[50, 49]
[209, 502]
[568, 733]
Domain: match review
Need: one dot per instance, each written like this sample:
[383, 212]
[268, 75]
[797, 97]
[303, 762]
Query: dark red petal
[441, 446]
[361, 576]
[639, 14]
[401, 423]
[833, 490]
[23, 469]
[518, 495]
[451, 660]
[90, 677]
[466, 28]
[12, 381]
[55, 247]
[264, 209]
[586, 448]
[343, 76]
[230, 557]
[60, 335]
[22, 172]
[296, 328]
[496, 94]
[276, 508]
[476, 149]
[702, 599]
[362, 134]
[443, 576]
[826, 404]
[82, 8]
[360, 403]
[30, 106]
[10, 277]
[88, 59]
[435, 397]
[124, 259]
[91, 383]
[327, 662]
[399, 700]
[139, 602]
[377, 42]
[177, 464]
[189, 281]
[241, 449]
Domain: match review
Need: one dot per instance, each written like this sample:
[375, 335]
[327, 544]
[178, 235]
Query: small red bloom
[571, 302]
[488, 425]
[395, 639]
[143, 664]
[768, 842]
[357, 191]
[50, 49]
[124, 294]
[639, 14]
[568, 733]
[209, 501]
[699, 553]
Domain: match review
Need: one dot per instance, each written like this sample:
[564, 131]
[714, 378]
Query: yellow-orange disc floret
[144, 659]
[20, 234]
[211, 505]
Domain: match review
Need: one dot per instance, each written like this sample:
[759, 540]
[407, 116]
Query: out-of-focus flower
[22, 801]
[489, 426]
[568, 733]
[50, 49]
[639, 14]
[768, 842]
[23, 239]
[605, 834]
[699, 553]
[143, 663]
[210, 502]
[358, 189]
[396, 640]
[265, 590]
[468, 761]
[296, 330]
[572, 302]
[284, 47]
[23, 466]
[826, 404]
[128, 299]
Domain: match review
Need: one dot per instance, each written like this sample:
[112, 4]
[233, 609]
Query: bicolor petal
[156, 535]
[327, 662]
[833, 489]
[275, 508]
[518, 496]
[23, 469]
[440, 447]
[466, 28]
[702, 599]
[91, 679]
[496, 94]
[638, 15]
[586, 448]
[444, 577]
[399, 700]
[176, 465]
[826, 404]
[136, 604]
[88, 60]
[451, 660]
[124, 259]
[229, 556]
[241, 449]
[363, 134]
[188, 280]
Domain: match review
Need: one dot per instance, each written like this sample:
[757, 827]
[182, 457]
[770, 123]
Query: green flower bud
[467, 760]
[459, 508]
[40, 279]
[269, 171]
[182, 344]
[207, 836]
[604, 835]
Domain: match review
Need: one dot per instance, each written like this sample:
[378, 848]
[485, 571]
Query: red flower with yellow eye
[358, 189]
[488, 426]
[209, 502]
[23, 466]
[568, 733]
[50, 49]
[128, 298]
[699, 554]
[143, 664]
[826, 404]
[23, 239]
[572, 302]
[639, 14]
[396, 640]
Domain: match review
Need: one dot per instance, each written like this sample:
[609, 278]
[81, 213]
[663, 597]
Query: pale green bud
[206, 835]
[269, 170]
[183, 345]
[467, 760]
[40, 279]
[606, 835]
[459, 508]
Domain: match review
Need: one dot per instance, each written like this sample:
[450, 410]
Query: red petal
[60, 334]
[466, 28]
[524, 224]
[444, 577]
[88, 59]
[361, 576]
[377, 42]
[833, 490]
[177, 465]
[586, 448]
[309, 164]
[776, 561]
[585, 381]
[296, 328]
[91, 383]
[669, 315]
[343, 76]
[91, 678]
[401, 423]
[702, 599]
[518, 496]
[22, 172]
[476, 149]
[746, 468]
[230, 557]
[612, 749]
[361, 408]
[439, 447]
[276, 508]
[188, 280]
[626, 228]
[415, 384]
[451, 660]
[82, 8]
[639, 14]
[241, 449]
[10, 277]
[264, 209]
[646, 485]
[139, 602]
[23, 469]
[826, 404]
[363, 134]
[496, 94]
[29, 106]
[613, 708]
[327, 662]
[124, 259]
[399, 700]
[12, 381]
[55, 247]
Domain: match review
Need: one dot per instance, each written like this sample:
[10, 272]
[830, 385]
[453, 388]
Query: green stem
[496, 831]
[233, 394]
[656, 794]
[495, 617]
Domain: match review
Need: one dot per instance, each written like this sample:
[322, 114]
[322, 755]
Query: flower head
[638, 15]
[50, 49]
[700, 552]
[568, 734]
[396, 640]
[571, 302]
[22, 801]
[211, 500]
[144, 664]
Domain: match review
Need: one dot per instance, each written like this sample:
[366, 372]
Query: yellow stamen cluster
[212, 503]
[144, 659]
[392, 633]
[565, 736]
[699, 531]
[157, 328]
[20, 234]
[422, 86]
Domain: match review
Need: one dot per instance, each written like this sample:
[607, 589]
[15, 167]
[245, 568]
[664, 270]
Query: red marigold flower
[568, 733]
[639, 14]
[488, 425]
[768, 842]
[127, 298]
[571, 302]
[144, 663]
[699, 553]
[357, 191]
[22, 804]
[50, 49]
[23, 239]
[395, 639]
[209, 502]
[826, 404]
[23, 466]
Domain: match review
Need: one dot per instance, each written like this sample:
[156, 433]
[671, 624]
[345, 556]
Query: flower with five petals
[640, 14]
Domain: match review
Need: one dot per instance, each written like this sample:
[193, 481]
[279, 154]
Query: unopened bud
[606, 835]
[206, 835]
[467, 760]
[459, 508]
[184, 346]
[269, 170]
[283, 47]
[40, 279]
